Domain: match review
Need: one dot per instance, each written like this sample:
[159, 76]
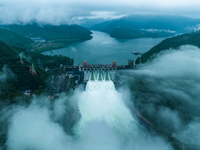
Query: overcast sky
[69, 11]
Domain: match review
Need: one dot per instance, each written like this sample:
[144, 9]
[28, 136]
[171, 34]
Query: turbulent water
[106, 123]
[102, 103]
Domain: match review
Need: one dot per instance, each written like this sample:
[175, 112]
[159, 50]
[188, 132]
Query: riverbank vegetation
[172, 43]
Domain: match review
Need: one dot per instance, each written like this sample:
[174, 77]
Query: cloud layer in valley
[166, 91]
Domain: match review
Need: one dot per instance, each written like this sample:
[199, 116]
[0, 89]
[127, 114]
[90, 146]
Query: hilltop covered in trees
[17, 76]
[44, 37]
[174, 43]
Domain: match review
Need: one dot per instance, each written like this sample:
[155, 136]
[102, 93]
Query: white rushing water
[100, 81]
[105, 120]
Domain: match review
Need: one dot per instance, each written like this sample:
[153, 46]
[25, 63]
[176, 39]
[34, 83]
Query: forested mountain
[8, 53]
[16, 76]
[49, 32]
[48, 36]
[155, 24]
[14, 39]
[127, 33]
[173, 42]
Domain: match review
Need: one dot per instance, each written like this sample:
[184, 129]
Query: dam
[85, 72]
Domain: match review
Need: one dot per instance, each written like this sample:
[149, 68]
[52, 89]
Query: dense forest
[22, 67]
[14, 39]
[50, 32]
[44, 37]
[17, 75]
[173, 42]
[127, 33]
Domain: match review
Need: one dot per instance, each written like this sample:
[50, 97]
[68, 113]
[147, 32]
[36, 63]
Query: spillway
[104, 113]
[100, 75]
[99, 81]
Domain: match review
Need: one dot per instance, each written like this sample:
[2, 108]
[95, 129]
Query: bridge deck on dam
[83, 71]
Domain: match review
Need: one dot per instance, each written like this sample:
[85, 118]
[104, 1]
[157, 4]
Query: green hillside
[16, 76]
[48, 37]
[50, 62]
[173, 42]
[14, 39]
[8, 53]
[50, 32]
[127, 33]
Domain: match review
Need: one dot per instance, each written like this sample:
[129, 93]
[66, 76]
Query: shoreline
[49, 45]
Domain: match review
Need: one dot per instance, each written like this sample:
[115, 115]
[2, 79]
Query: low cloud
[166, 91]
[38, 126]
[46, 14]
[105, 123]
[32, 128]
[68, 12]
[190, 136]
[6, 74]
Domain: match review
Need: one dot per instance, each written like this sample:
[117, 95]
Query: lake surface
[103, 49]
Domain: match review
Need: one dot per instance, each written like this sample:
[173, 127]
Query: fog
[105, 123]
[69, 12]
[157, 107]
[6, 74]
[166, 91]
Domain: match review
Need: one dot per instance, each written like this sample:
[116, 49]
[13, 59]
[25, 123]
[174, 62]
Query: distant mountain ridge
[173, 24]
[88, 22]
[127, 33]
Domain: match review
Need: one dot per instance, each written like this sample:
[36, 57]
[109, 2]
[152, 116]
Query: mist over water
[105, 123]
[165, 92]
[105, 105]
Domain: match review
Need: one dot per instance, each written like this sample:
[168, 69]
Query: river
[104, 49]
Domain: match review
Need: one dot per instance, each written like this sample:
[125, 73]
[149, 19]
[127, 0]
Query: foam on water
[101, 104]
[100, 86]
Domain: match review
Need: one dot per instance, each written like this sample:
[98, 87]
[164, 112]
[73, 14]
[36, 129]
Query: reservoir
[103, 49]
